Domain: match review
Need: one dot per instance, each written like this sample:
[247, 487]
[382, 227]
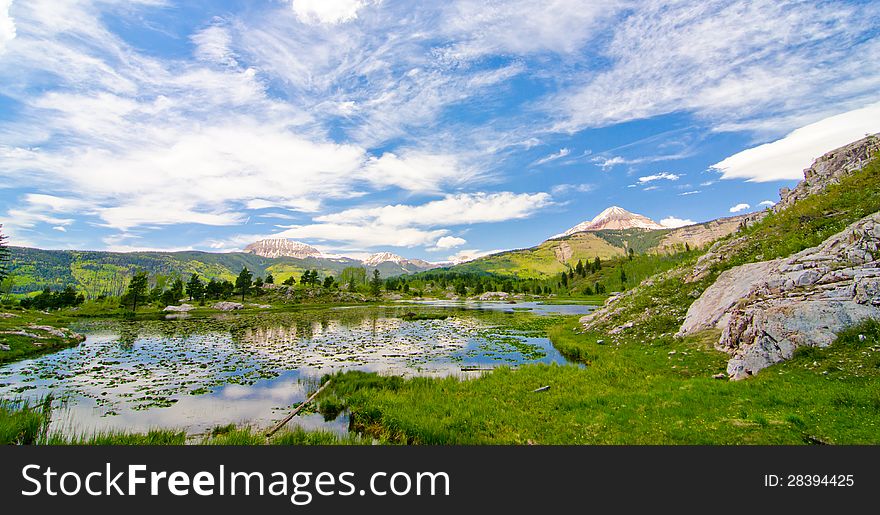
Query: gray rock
[767, 310]
[228, 306]
[5, 347]
[183, 308]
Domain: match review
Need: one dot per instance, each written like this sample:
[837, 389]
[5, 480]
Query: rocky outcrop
[563, 252]
[767, 310]
[829, 169]
[700, 235]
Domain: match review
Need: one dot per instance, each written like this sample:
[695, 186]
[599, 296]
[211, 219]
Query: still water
[194, 374]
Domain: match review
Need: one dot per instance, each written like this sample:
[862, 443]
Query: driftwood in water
[295, 411]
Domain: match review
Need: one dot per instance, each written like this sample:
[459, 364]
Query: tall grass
[24, 422]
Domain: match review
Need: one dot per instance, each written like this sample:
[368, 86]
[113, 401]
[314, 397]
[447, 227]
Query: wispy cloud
[728, 62]
[564, 189]
[662, 176]
[552, 157]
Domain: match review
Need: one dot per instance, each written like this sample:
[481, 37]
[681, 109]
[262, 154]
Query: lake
[197, 373]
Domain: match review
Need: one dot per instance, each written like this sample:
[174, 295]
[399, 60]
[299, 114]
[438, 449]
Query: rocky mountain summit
[388, 257]
[613, 217]
[766, 310]
[280, 247]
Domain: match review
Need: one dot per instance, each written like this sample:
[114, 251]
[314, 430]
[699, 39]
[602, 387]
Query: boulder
[228, 306]
[494, 295]
[767, 310]
[183, 308]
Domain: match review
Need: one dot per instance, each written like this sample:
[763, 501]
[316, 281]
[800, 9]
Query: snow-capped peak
[382, 257]
[278, 247]
[614, 217]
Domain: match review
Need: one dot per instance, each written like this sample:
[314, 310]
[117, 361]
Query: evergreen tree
[213, 289]
[579, 268]
[258, 282]
[290, 281]
[270, 279]
[137, 289]
[687, 248]
[375, 283]
[564, 279]
[630, 253]
[622, 275]
[597, 264]
[195, 288]
[4, 256]
[243, 282]
[328, 281]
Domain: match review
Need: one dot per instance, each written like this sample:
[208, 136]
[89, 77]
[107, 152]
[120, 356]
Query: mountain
[607, 236]
[614, 217]
[99, 272]
[280, 247]
[387, 257]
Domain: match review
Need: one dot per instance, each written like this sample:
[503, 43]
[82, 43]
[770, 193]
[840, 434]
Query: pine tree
[597, 264]
[137, 289]
[579, 268]
[375, 283]
[622, 275]
[630, 253]
[4, 256]
[195, 288]
[243, 282]
[270, 279]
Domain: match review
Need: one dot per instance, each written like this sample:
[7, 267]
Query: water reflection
[197, 373]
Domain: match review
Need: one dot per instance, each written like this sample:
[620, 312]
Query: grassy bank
[641, 385]
[658, 393]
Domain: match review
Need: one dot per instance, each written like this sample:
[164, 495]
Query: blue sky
[433, 130]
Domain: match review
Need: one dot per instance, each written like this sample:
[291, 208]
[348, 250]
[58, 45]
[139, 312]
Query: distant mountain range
[99, 272]
[608, 235]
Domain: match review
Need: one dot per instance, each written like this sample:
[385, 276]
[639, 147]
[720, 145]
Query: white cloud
[658, 177]
[786, 159]
[739, 207]
[59, 228]
[673, 222]
[520, 27]
[327, 11]
[607, 163]
[417, 225]
[553, 157]
[416, 171]
[465, 208]
[470, 255]
[448, 242]
[7, 24]
[735, 64]
[562, 189]
[767, 203]
[213, 44]
[686, 193]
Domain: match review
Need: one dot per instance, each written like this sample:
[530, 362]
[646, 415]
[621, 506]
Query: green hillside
[561, 254]
[106, 273]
